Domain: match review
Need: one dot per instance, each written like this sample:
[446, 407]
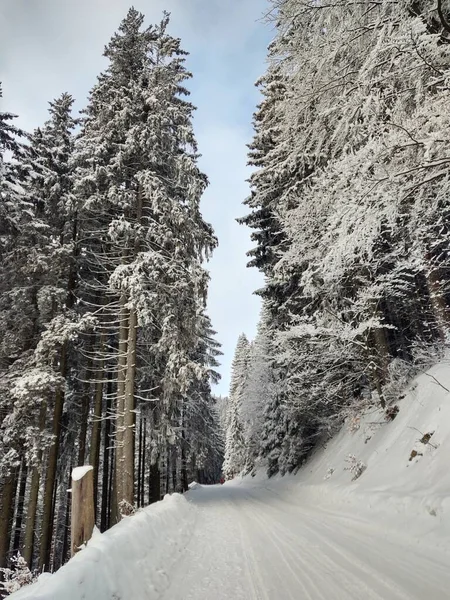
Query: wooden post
[83, 514]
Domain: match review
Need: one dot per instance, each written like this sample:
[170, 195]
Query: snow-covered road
[254, 542]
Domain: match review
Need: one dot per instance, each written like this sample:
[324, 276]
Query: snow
[132, 560]
[254, 541]
[407, 494]
[79, 472]
[318, 534]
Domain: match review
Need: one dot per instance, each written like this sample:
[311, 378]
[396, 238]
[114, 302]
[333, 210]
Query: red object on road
[222, 480]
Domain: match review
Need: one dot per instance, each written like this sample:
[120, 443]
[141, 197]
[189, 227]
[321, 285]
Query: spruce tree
[202, 438]
[235, 445]
[260, 392]
[55, 207]
[18, 314]
[140, 188]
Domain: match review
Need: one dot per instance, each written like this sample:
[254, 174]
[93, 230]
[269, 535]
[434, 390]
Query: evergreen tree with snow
[348, 161]
[140, 189]
[55, 207]
[260, 393]
[202, 438]
[42, 283]
[102, 300]
[17, 577]
[18, 316]
[235, 444]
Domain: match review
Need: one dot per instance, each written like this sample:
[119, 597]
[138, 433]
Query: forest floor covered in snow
[315, 535]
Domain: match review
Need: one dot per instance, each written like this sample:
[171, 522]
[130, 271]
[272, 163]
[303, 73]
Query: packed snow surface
[318, 535]
[257, 542]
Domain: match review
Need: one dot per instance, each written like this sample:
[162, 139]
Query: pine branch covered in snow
[16, 577]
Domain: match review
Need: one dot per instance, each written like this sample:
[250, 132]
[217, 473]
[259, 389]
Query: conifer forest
[108, 355]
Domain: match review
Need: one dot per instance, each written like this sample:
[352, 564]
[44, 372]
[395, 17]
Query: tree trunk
[6, 514]
[33, 498]
[125, 395]
[174, 472]
[144, 444]
[31, 517]
[54, 527]
[107, 444]
[382, 350]
[60, 516]
[84, 425]
[379, 355]
[65, 548]
[154, 484]
[184, 474]
[139, 473]
[83, 518]
[128, 438]
[167, 482]
[20, 507]
[48, 512]
[112, 502]
[120, 410]
[96, 425]
[85, 405]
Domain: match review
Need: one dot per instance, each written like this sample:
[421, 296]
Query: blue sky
[51, 46]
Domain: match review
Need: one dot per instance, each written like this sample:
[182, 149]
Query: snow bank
[131, 561]
[406, 481]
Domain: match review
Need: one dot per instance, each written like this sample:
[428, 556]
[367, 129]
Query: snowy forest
[108, 356]
[349, 212]
[107, 353]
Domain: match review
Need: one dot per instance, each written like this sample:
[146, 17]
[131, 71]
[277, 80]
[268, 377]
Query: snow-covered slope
[406, 481]
[130, 561]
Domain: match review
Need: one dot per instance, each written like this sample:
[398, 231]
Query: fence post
[83, 513]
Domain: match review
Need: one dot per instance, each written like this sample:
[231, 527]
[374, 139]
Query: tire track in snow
[324, 565]
[343, 562]
[251, 539]
[279, 544]
[258, 590]
[356, 532]
[250, 545]
[254, 576]
[286, 591]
